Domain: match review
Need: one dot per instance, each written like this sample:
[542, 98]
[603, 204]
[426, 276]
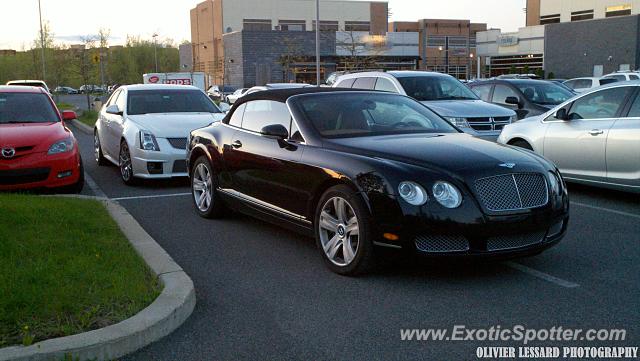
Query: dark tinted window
[26, 108]
[635, 108]
[347, 83]
[426, 88]
[599, 105]
[364, 83]
[617, 77]
[502, 92]
[260, 113]
[483, 91]
[169, 101]
[236, 116]
[545, 93]
[352, 115]
[385, 85]
[633, 77]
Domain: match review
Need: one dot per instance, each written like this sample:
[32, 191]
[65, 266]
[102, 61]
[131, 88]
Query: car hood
[446, 152]
[468, 108]
[174, 125]
[40, 136]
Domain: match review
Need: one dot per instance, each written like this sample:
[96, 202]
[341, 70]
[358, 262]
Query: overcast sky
[70, 19]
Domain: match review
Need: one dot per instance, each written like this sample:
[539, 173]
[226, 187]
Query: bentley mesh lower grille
[178, 143]
[513, 191]
[441, 243]
[498, 243]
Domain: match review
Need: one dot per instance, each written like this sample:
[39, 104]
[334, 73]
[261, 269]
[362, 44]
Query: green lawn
[65, 268]
[65, 106]
[88, 117]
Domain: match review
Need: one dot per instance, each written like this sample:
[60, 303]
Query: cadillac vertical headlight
[447, 194]
[148, 141]
[413, 193]
[61, 146]
[459, 122]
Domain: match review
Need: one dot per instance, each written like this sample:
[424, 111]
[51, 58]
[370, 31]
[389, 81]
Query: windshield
[343, 115]
[428, 88]
[26, 108]
[544, 93]
[169, 101]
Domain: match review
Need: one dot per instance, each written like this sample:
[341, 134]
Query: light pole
[318, 42]
[155, 49]
[44, 68]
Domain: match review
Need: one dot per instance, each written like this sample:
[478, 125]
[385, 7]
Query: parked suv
[442, 93]
[623, 76]
[581, 85]
[527, 97]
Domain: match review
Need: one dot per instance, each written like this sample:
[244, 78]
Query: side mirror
[113, 109]
[275, 130]
[69, 115]
[562, 114]
[514, 101]
[224, 107]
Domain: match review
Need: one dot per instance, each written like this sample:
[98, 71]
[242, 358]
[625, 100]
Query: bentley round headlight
[447, 194]
[413, 193]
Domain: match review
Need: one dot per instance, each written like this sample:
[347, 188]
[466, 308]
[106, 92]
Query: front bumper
[39, 170]
[167, 163]
[468, 232]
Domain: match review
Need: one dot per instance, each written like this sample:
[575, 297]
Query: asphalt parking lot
[264, 293]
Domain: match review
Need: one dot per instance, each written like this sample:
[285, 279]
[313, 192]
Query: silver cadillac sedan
[593, 138]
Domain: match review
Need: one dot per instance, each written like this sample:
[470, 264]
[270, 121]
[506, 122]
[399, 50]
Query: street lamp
[155, 49]
[318, 42]
[42, 41]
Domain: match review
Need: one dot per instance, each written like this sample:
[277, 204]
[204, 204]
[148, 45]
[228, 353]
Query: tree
[361, 50]
[84, 64]
[291, 54]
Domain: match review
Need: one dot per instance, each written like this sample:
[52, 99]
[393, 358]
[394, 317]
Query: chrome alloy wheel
[339, 231]
[202, 189]
[126, 168]
[96, 146]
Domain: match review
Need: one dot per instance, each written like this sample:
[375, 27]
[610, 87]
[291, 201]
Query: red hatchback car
[37, 150]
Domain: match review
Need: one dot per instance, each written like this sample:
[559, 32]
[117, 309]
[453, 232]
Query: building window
[618, 10]
[292, 25]
[357, 26]
[582, 15]
[549, 19]
[326, 25]
[436, 41]
[256, 25]
[458, 42]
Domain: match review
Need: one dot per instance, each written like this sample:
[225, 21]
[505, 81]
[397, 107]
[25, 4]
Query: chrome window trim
[263, 204]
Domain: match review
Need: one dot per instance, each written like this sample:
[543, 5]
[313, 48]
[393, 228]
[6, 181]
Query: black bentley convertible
[360, 170]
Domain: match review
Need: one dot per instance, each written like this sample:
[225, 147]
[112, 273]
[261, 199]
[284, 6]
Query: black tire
[364, 259]
[214, 207]
[521, 144]
[126, 174]
[97, 150]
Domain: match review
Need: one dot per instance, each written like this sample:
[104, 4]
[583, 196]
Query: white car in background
[231, 98]
[581, 85]
[626, 75]
[143, 129]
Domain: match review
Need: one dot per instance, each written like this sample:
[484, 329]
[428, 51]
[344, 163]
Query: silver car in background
[593, 138]
[143, 129]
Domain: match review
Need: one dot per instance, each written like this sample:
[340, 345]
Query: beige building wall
[538, 8]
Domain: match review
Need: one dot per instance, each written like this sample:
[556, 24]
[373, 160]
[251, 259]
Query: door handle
[237, 144]
[595, 132]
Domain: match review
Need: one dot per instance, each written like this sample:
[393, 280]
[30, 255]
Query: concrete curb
[163, 316]
[82, 127]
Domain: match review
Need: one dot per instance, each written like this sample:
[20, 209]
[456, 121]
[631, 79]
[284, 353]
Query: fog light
[65, 174]
[391, 236]
[154, 167]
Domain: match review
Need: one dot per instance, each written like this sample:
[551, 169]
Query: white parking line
[151, 196]
[606, 210]
[543, 276]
